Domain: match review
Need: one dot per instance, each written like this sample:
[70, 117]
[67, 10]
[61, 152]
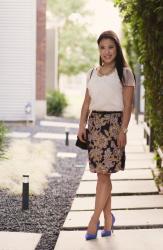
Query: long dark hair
[120, 61]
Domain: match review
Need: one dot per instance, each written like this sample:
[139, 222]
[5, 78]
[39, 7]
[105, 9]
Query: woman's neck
[109, 65]
[106, 69]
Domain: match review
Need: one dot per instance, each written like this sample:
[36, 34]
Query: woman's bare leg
[103, 190]
[107, 211]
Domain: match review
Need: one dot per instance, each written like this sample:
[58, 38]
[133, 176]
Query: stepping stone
[66, 155]
[138, 164]
[42, 135]
[137, 135]
[18, 135]
[144, 239]
[121, 202]
[123, 218]
[134, 142]
[18, 240]
[79, 166]
[120, 187]
[55, 174]
[59, 124]
[139, 156]
[134, 149]
[122, 175]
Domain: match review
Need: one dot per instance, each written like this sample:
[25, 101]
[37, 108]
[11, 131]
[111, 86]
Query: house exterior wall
[22, 59]
[17, 59]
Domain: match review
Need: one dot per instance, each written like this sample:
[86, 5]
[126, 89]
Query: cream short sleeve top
[106, 91]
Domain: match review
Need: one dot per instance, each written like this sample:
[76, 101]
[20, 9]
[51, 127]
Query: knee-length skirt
[103, 152]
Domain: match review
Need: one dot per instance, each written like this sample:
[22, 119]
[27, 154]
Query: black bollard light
[67, 136]
[25, 198]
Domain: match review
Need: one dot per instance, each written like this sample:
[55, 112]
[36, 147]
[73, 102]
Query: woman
[107, 106]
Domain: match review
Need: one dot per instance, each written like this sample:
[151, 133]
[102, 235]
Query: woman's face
[107, 50]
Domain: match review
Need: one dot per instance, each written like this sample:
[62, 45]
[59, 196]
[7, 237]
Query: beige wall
[41, 48]
[41, 59]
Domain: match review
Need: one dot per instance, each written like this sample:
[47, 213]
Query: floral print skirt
[103, 152]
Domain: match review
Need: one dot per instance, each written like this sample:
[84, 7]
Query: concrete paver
[121, 202]
[41, 135]
[59, 124]
[120, 187]
[134, 149]
[138, 156]
[141, 239]
[18, 134]
[129, 218]
[66, 155]
[135, 142]
[138, 164]
[18, 240]
[127, 174]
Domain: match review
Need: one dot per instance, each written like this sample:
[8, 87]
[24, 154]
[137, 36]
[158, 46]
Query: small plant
[159, 177]
[159, 169]
[3, 131]
[56, 103]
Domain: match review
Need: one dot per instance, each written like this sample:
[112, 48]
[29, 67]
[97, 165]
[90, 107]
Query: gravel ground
[47, 212]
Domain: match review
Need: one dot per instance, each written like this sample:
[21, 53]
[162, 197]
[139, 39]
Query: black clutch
[81, 144]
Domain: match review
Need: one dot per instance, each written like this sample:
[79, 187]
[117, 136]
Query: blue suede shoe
[92, 236]
[105, 233]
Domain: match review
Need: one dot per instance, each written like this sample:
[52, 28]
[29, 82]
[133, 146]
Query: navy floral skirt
[103, 152]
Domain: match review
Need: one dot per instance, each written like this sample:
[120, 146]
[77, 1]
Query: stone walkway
[136, 204]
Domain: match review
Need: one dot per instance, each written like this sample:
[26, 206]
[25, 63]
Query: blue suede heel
[92, 236]
[104, 232]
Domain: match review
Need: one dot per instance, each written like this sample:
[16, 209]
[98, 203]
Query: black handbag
[81, 144]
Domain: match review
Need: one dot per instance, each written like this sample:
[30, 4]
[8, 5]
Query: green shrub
[56, 103]
[3, 131]
[143, 22]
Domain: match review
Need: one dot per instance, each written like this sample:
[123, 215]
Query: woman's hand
[122, 140]
[82, 133]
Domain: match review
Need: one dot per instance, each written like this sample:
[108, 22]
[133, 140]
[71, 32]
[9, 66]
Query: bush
[56, 103]
[3, 131]
[143, 22]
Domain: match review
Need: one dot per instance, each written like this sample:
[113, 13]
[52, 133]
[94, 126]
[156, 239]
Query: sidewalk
[136, 204]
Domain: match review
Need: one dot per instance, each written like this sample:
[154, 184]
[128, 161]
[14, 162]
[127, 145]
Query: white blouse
[106, 91]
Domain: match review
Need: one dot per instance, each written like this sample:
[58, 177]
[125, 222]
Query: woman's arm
[128, 94]
[84, 115]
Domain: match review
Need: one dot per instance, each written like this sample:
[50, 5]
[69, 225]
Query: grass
[35, 159]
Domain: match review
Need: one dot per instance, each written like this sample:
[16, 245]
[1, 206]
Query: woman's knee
[103, 178]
